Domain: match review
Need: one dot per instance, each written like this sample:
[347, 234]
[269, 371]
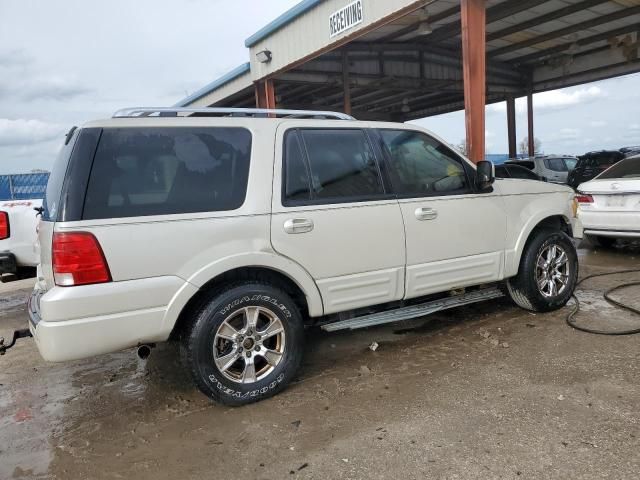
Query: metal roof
[397, 72]
[287, 17]
[210, 87]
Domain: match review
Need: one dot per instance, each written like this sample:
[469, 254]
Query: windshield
[627, 168]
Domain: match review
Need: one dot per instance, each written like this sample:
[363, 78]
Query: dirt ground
[486, 391]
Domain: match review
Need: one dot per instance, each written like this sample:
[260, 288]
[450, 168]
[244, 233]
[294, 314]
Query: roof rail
[230, 112]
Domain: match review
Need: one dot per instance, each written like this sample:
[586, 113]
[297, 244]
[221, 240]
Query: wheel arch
[557, 222]
[279, 271]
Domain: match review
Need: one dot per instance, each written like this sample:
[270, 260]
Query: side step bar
[414, 311]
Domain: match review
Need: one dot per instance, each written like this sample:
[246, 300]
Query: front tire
[245, 344]
[548, 272]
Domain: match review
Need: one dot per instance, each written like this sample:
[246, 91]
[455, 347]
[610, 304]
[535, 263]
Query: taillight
[581, 198]
[4, 225]
[78, 260]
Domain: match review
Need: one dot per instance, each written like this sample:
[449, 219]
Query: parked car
[515, 171]
[18, 254]
[609, 205]
[549, 168]
[630, 151]
[232, 233]
[591, 164]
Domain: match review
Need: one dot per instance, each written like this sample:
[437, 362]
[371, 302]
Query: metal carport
[404, 60]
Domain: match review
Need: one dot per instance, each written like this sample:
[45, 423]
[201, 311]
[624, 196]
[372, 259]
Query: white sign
[345, 18]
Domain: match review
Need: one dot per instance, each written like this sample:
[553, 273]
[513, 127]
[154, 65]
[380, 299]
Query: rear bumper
[8, 263]
[612, 224]
[70, 323]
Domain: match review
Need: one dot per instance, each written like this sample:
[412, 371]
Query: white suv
[232, 230]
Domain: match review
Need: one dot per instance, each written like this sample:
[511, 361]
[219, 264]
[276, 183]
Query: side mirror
[484, 175]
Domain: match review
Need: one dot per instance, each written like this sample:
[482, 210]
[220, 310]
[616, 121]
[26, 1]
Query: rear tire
[245, 344]
[548, 272]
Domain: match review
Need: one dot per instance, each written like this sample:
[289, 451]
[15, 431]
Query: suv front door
[455, 236]
[332, 214]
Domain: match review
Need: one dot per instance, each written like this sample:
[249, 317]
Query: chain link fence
[23, 186]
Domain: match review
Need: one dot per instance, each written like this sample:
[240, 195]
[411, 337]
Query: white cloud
[24, 132]
[597, 123]
[634, 127]
[553, 100]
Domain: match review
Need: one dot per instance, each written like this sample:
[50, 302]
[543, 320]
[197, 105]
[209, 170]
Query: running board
[414, 311]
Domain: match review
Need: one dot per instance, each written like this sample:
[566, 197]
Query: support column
[345, 83]
[511, 126]
[473, 20]
[531, 137]
[265, 94]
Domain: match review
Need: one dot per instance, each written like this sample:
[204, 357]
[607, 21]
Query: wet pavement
[485, 391]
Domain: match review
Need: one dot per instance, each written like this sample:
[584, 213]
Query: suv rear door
[455, 236]
[333, 214]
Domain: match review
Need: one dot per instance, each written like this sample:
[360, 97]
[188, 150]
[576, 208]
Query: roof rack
[228, 112]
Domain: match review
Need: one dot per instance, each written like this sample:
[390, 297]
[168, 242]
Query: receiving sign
[345, 18]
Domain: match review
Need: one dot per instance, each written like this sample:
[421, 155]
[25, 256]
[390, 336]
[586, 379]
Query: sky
[65, 62]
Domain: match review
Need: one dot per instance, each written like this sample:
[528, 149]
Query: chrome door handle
[298, 225]
[426, 214]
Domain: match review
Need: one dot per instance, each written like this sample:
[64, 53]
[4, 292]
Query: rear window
[51, 201]
[628, 168]
[161, 171]
[523, 163]
[555, 164]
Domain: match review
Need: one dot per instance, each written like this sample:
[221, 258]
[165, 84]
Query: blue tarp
[23, 186]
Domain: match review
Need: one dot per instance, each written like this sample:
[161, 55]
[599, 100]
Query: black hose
[606, 295]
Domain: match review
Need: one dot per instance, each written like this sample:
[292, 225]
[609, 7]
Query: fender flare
[278, 263]
[512, 257]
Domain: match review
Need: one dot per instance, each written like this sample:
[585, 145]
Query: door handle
[426, 214]
[298, 225]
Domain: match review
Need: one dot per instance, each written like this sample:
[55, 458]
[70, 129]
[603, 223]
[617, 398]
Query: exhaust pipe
[144, 351]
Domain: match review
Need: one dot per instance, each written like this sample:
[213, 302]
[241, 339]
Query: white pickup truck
[18, 233]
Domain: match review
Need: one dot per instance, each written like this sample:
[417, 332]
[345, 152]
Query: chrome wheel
[249, 344]
[552, 271]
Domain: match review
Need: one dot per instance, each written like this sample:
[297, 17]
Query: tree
[462, 147]
[524, 146]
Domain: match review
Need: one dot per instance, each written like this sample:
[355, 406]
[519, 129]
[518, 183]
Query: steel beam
[511, 126]
[413, 26]
[580, 43]
[346, 88]
[493, 14]
[530, 135]
[541, 19]
[594, 22]
[473, 25]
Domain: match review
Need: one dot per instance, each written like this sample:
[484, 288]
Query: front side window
[160, 171]
[420, 165]
[555, 164]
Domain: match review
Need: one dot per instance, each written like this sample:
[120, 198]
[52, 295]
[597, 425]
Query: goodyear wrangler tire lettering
[218, 363]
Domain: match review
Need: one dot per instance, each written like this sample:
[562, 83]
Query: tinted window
[159, 171]
[501, 171]
[296, 185]
[523, 163]
[555, 164]
[571, 163]
[56, 179]
[520, 172]
[420, 165]
[628, 168]
[342, 165]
